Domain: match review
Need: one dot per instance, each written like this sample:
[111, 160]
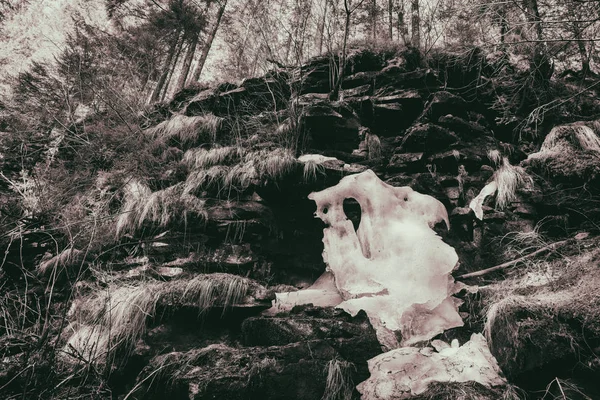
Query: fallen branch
[544, 249]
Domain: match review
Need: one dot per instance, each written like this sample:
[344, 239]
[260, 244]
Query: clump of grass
[495, 157]
[112, 320]
[507, 180]
[203, 158]
[204, 179]
[570, 151]
[254, 167]
[579, 135]
[339, 384]
[214, 290]
[500, 314]
[162, 207]
[310, 171]
[241, 176]
[259, 369]
[273, 165]
[510, 179]
[67, 258]
[187, 129]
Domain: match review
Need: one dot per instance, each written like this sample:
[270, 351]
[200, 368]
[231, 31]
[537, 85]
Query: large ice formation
[408, 371]
[394, 266]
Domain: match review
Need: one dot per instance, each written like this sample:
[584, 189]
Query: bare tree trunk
[402, 27]
[187, 63]
[416, 24]
[540, 64]
[208, 44]
[163, 77]
[583, 53]
[391, 20]
[503, 24]
[322, 26]
[374, 20]
[336, 90]
[172, 70]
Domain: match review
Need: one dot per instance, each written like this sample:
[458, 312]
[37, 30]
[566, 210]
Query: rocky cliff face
[203, 247]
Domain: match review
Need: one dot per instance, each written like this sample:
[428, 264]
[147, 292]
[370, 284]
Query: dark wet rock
[396, 110]
[359, 91]
[427, 138]
[185, 95]
[314, 76]
[295, 371]
[405, 162]
[331, 126]
[444, 103]
[203, 103]
[463, 128]
[410, 100]
[366, 60]
[396, 77]
[359, 79]
[388, 119]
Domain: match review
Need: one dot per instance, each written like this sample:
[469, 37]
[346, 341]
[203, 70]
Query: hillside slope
[152, 276]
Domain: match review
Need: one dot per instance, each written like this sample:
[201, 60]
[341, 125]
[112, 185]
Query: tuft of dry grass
[339, 384]
[214, 290]
[495, 157]
[273, 165]
[311, 170]
[505, 183]
[204, 179]
[213, 169]
[67, 258]
[162, 207]
[570, 151]
[112, 320]
[579, 135]
[187, 129]
[203, 158]
[509, 179]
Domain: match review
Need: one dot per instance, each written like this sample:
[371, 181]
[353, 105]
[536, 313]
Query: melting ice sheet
[394, 266]
[408, 371]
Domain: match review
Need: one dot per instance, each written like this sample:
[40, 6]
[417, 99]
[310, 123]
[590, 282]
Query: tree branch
[550, 247]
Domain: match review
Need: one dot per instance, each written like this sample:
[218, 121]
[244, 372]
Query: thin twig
[550, 247]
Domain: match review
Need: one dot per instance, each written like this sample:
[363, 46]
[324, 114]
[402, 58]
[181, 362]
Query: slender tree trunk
[172, 69]
[163, 77]
[416, 24]
[391, 20]
[402, 27]
[585, 58]
[540, 64]
[374, 20]
[187, 63]
[583, 53]
[336, 90]
[322, 26]
[209, 42]
[503, 24]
